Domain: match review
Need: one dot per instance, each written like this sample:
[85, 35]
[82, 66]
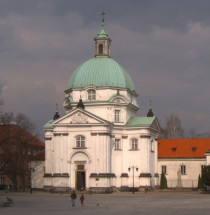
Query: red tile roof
[183, 148]
[14, 130]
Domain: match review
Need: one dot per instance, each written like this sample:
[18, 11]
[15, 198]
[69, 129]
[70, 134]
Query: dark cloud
[162, 44]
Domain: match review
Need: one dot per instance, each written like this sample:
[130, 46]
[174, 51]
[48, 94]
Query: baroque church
[101, 143]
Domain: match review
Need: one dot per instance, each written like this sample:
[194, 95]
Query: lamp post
[133, 168]
[31, 172]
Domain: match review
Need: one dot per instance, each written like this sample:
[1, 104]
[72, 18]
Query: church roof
[100, 72]
[183, 148]
[140, 121]
[48, 125]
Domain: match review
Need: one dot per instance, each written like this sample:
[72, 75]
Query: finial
[103, 14]
[56, 116]
[150, 112]
[80, 104]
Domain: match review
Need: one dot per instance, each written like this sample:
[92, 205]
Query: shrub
[206, 175]
[163, 182]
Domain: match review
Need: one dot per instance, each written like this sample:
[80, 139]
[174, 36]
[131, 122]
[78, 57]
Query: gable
[155, 125]
[79, 116]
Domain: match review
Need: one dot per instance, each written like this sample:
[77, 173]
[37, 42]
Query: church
[101, 143]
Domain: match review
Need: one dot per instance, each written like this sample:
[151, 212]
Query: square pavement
[151, 203]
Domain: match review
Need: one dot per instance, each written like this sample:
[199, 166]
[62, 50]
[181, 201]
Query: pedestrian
[82, 199]
[73, 198]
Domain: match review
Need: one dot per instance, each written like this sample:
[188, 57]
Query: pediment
[155, 125]
[80, 116]
[119, 99]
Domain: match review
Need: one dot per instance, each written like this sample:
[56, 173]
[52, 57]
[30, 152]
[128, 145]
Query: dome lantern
[102, 42]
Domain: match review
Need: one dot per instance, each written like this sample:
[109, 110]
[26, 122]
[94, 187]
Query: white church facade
[101, 142]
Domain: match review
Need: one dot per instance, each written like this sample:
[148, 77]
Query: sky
[163, 44]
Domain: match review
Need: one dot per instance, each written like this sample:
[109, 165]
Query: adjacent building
[18, 150]
[182, 160]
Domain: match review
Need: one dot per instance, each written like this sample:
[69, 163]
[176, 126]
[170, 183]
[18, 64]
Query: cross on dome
[103, 14]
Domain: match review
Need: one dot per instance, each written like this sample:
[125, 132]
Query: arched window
[80, 142]
[134, 144]
[91, 95]
[101, 49]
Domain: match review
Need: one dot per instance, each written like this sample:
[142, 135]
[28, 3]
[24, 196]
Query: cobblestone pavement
[152, 203]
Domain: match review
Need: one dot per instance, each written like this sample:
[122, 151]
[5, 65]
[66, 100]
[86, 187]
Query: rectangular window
[80, 142]
[134, 144]
[164, 170]
[117, 116]
[183, 169]
[91, 95]
[194, 149]
[117, 144]
[173, 149]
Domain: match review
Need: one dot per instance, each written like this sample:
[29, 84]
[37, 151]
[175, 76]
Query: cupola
[102, 42]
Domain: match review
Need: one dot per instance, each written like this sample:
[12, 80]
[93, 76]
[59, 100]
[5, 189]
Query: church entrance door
[80, 177]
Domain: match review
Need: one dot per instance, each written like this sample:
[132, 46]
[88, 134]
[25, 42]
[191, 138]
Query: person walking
[82, 199]
[73, 198]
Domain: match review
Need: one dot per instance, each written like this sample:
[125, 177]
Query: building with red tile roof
[183, 148]
[18, 148]
[182, 160]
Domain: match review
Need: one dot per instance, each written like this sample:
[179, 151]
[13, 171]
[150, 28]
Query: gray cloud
[162, 44]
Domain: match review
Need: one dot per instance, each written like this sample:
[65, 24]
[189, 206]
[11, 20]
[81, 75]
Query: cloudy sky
[163, 44]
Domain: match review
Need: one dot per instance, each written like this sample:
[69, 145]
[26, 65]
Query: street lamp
[133, 168]
[31, 172]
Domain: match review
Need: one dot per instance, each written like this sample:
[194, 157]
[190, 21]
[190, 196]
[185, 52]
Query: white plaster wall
[143, 159]
[106, 111]
[37, 179]
[97, 149]
[48, 156]
[193, 169]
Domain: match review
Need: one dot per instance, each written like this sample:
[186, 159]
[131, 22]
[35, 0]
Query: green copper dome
[100, 72]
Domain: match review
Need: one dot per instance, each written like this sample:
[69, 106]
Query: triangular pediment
[155, 125]
[80, 116]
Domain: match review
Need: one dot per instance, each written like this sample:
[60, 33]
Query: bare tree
[173, 127]
[16, 147]
[192, 133]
